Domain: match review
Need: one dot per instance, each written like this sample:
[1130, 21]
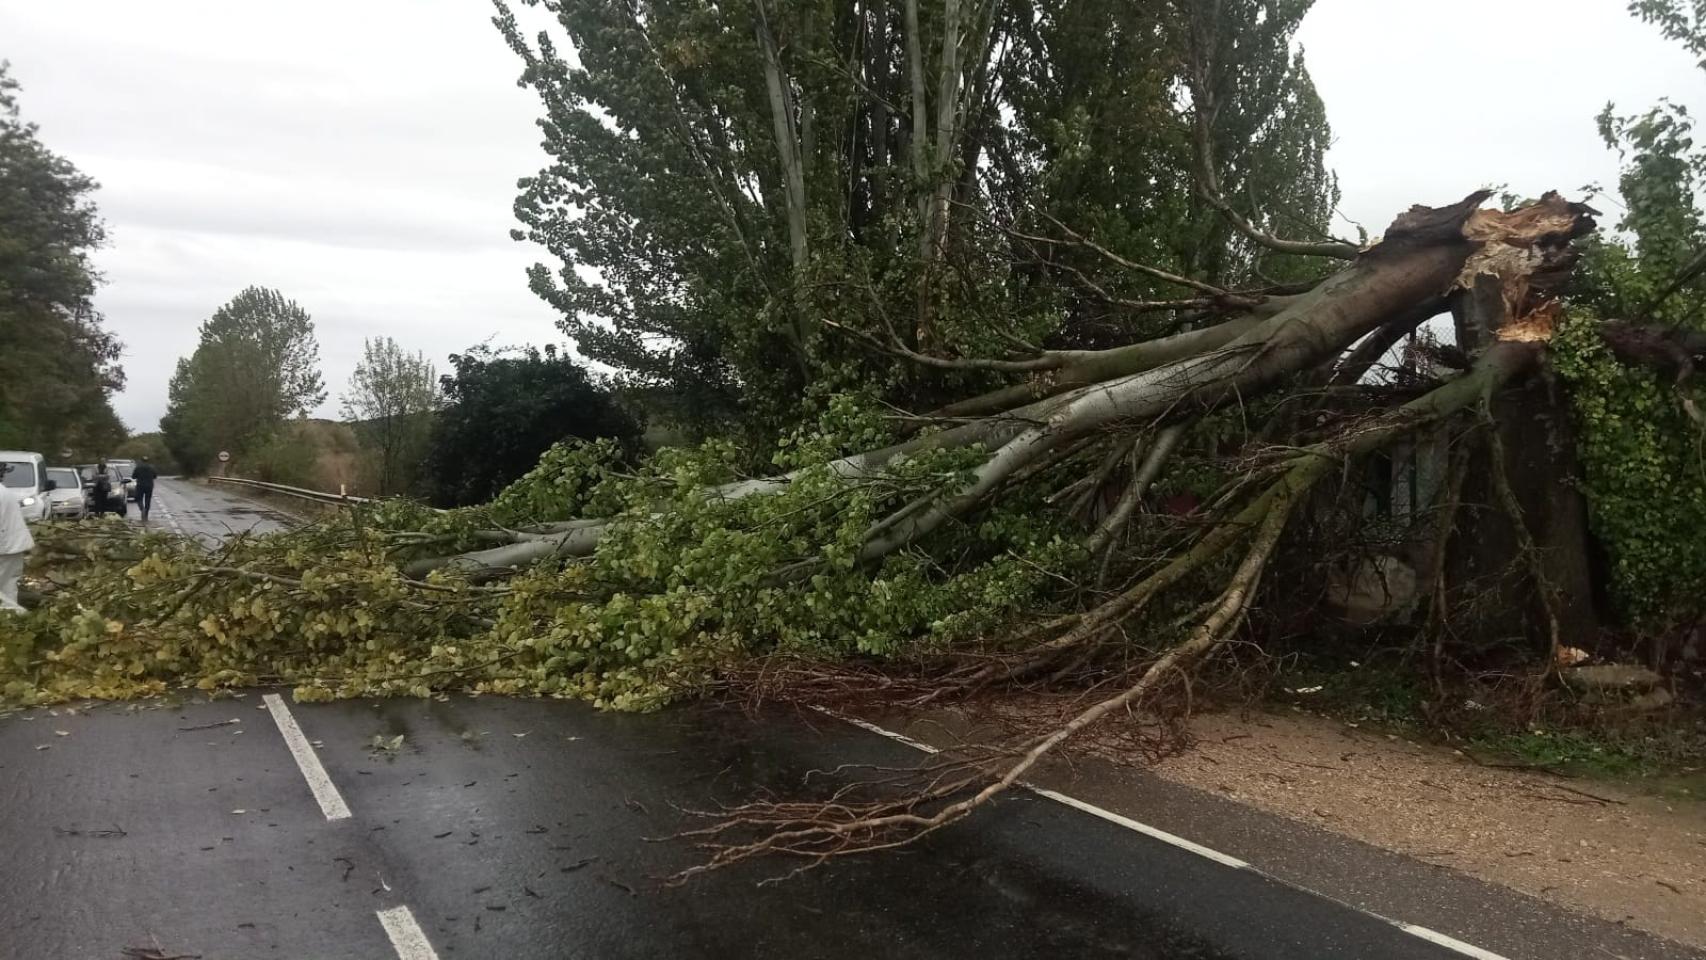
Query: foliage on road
[686, 588]
[58, 364]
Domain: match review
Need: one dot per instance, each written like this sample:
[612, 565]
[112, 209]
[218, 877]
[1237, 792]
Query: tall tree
[390, 399]
[1641, 427]
[503, 409]
[256, 364]
[745, 198]
[58, 365]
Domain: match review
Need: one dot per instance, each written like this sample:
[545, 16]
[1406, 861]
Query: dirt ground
[1612, 852]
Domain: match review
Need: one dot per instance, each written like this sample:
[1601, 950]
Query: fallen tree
[1030, 364]
[933, 554]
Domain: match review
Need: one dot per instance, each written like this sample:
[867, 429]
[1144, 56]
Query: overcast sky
[362, 156]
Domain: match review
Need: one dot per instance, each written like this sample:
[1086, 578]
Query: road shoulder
[1258, 811]
[1616, 854]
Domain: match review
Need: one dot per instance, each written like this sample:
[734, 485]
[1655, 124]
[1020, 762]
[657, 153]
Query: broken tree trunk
[1496, 588]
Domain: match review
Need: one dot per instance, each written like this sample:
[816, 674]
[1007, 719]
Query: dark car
[122, 469]
[115, 491]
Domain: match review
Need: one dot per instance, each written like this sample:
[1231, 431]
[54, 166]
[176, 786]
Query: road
[528, 829]
[208, 512]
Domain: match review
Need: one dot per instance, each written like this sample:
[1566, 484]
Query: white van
[27, 480]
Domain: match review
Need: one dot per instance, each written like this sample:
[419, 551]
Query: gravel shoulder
[1614, 853]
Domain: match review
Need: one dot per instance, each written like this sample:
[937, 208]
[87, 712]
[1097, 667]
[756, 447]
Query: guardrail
[301, 493]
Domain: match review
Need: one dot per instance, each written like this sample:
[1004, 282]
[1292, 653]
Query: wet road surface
[527, 829]
[208, 512]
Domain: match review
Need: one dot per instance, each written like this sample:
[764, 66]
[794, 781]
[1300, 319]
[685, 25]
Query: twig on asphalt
[210, 726]
[155, 953]
[114, 834]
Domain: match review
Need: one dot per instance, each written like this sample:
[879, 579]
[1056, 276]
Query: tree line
[255, 372]
[58, 363]
[254, 378]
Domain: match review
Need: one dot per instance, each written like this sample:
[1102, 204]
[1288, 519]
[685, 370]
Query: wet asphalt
[540, 829]
[530, 829]
[207, 512]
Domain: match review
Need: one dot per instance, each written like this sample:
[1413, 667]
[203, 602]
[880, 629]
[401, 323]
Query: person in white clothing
[15, 544]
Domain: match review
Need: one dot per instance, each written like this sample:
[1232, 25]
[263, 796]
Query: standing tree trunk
[790, 155]
[920, 148]
[1500, 591]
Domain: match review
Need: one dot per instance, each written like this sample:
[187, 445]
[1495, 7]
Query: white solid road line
[1143, 828]
[1432, 936]
[1450, 943]
[325, 792]
[879, 731]
[406, 935]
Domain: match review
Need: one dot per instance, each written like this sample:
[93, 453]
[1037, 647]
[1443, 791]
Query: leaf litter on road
[386, 746]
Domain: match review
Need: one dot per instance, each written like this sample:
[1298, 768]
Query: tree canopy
[58, 364]
[751, 203]
[391, 399]
[255, 365]
[502, 410]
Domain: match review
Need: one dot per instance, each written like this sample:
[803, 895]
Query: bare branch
[1208, 181]
[1076, 239]
[1048, 361]
[1145, 475]
[1357, 362]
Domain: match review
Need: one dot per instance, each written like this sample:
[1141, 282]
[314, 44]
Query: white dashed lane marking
[324, 790]
[406, 935]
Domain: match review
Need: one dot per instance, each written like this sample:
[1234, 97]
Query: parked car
[65, 495]
[123, 469]
[115, 494]
[26, 480]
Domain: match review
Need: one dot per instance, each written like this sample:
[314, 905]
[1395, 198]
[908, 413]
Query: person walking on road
[101, 485]
[15, 544]
[144, 475]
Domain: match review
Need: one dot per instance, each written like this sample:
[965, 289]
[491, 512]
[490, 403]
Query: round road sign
[224, 457]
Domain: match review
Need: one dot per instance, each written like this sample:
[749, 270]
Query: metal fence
[317, 496]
